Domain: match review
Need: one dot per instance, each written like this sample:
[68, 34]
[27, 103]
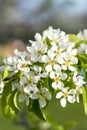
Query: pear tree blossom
[57, 77]
[66, 95]
[50, 67]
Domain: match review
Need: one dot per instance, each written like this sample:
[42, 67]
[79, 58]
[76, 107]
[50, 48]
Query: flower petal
[63, 102]
[59, 95]
[42, 102]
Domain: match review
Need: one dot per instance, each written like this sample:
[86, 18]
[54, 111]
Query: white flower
[36, 51]
[39, 71]
[31, 91]
[11, 62]
[56, 53]
[49, 62]
[66, 95]
[42, 95]
[22, 65]
[78, 80]
[82, 35]
[55, 36]
[29, 78]
[57, 79]
[18, 62]
[20, 54]
[70, 59]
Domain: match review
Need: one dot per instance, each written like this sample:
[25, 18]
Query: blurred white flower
[23, 97]
[82, 34]
[82, 48]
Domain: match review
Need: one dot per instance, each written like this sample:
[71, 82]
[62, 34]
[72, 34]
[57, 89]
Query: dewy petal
[59, 95]
[63, 102]
[42, 101]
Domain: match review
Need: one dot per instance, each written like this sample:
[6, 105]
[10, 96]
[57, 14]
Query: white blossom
[55, 36]
[37, 50]
[66, 95]
[82, 34]
[29, 78]
[31, 91]
[57, 77]
[42, 95]
[70, 59]
[18, 62]
[78, 80]
[82, 49]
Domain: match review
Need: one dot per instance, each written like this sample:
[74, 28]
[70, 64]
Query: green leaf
[84, 94]
[80, 42]
[5, 73]
[15, 100]
[73, 37]
[12, 101]
[37, 110]
[9, 102]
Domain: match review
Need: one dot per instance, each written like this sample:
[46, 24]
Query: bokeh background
[19, 21]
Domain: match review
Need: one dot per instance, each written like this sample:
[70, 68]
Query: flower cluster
[50, 66]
